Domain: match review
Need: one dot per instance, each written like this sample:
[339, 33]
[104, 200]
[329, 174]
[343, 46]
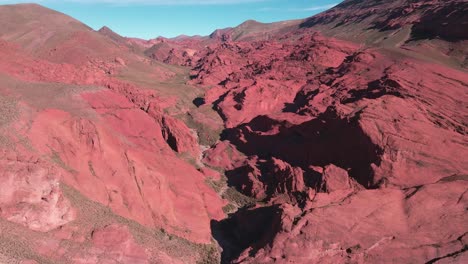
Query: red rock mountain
[340, 138]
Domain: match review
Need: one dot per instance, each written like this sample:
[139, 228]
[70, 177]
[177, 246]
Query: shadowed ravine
[337, 138]
[319, 142]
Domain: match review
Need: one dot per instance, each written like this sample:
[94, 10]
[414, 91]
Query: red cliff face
[341, 138]
[73, 126]
[247, 73]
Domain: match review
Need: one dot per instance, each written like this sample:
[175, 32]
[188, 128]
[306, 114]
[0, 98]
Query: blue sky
[151, 18]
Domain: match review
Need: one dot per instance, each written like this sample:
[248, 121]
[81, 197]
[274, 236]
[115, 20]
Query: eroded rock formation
[341, 138]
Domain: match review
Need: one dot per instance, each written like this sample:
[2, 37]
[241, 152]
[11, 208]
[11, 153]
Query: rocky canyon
[338, 138]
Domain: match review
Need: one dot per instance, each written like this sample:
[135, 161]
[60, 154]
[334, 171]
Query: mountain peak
[250, 22]
[105, 29]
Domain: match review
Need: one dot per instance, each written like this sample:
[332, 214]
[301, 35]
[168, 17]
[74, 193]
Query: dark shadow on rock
[217, 108]
[302, 99]
[448, 23]
[266, 178]
[328, 139]
[199, 101]
[239, 179]
[246, 228]
[375, 89]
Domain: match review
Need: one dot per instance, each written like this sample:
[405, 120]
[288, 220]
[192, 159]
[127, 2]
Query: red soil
[343, 141]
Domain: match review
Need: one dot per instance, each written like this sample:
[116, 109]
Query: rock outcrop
[341, 141]
[341, 138]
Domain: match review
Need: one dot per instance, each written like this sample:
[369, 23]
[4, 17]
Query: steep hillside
[253, 30]
[433, 29]
[340, 138]
[96, 163]
[51, 35]
[342, 135]
[426, 19]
